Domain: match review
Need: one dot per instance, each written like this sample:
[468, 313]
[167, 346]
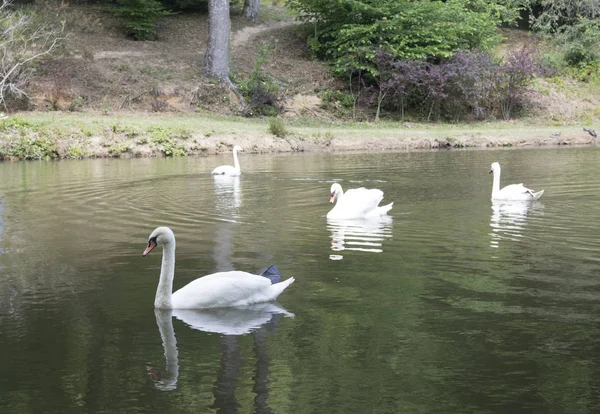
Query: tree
[346, 31]
[251, 8]
[216, 59]
[23, 39]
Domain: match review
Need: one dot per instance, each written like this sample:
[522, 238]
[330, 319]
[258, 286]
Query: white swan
[228, 169]
[513, 192]
[217, 290]
[356, 203]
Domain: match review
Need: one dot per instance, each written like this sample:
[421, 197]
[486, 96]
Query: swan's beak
[491, 171]
[151, 246]
[332, 198]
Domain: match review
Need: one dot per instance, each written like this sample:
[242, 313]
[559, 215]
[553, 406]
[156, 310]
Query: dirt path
[241, 37]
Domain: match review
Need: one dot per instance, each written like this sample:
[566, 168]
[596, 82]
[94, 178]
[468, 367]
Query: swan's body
[356, 203]
[217, 290]
[229, 170]
[512, 192]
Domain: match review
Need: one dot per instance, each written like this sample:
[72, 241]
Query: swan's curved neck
[496, 183]
[340, 193]
[165, 284]
[236, 162]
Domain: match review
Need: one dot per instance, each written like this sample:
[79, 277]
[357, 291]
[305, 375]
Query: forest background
[137, 77]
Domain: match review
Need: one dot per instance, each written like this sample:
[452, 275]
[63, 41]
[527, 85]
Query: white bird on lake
[356, 203]
[228, 169]
[512, 192]
[217, 290]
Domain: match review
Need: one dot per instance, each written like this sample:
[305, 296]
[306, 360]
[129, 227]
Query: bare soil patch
[100, 69]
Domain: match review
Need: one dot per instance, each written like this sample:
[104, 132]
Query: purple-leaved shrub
[468, 86]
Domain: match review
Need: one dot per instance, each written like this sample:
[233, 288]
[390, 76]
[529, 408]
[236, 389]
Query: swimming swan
[228, 169]
[513, 192]
[217, 290]
[356, 203]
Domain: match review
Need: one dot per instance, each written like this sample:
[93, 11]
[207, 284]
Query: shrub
[140, 17]
[470, 85]
[277, 128]
[346, 31]
[260, 90]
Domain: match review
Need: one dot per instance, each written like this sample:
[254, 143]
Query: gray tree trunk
[216, 60]
[251, 8]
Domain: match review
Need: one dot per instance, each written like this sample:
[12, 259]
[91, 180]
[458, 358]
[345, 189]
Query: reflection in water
[365, 235]
[229, 323]
[509, 218]
[168, 380]
[227, 193]
[228, 200]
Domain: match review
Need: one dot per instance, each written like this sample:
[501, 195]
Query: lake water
[452, 305]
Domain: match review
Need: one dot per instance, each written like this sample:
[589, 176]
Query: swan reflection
[227, 193]
[509, 218]
[229, 323]
[365, 235]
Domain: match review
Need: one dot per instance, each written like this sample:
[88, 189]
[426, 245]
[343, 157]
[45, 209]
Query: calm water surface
[451, 305]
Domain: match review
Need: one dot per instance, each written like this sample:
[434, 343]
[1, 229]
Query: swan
[217, 290]
[356, 203]
[228, 169]
[513, 192]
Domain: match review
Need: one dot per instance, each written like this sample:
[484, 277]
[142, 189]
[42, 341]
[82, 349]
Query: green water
[452, 305]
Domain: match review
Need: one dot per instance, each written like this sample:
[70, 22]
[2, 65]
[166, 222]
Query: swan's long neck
[236, 162]
[340, 193]
[165, 284]
[496, 183]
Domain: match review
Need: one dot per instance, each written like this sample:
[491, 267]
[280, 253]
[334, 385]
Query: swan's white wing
[222, 289]
[356, 203]
[226, 170]
[517, 189]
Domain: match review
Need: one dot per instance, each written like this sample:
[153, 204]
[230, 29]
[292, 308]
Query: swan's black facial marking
[152, 243]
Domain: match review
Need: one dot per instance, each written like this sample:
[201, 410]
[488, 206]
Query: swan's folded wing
[515, 189]
[361, 201]
[222, 289]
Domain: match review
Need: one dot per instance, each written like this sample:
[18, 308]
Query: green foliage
[277, 128]
[31, 147]
[14, 123]
[76, 151]
[165, 142]
[140, 17]
[346, 31]
[558, 14]
[261, 90]
[574, 28]
[338, 102]
[581, 43]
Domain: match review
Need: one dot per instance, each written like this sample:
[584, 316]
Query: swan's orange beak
[151, 246]
[332, 198]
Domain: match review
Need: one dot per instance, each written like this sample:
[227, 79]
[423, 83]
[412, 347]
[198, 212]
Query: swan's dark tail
[271, 273]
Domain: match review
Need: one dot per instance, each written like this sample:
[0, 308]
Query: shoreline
[79, 135]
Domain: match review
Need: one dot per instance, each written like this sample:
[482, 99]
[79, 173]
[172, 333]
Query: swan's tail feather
[272, 273]
[536, 195]
[277, 288]
[386, 208]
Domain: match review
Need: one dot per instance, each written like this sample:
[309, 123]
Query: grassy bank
[71, 135]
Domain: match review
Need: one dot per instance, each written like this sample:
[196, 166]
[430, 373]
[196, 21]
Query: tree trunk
[251, 8]
[216, 60]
